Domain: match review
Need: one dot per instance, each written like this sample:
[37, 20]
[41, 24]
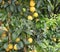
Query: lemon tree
[29, 26]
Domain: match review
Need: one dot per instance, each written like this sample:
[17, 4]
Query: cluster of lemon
[3, 35]
[11, 46]
[30, 40]
[32, 10]
[55, 39]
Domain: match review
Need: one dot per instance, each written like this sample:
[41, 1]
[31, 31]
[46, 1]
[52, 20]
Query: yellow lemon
[34, 50]
[10, 46]
[15, 47]
[35, 14]
[3, 2]
[3, 35]
[32, 3]
[18, 39]
[7, 49]
[54, 39]
[30, 40]
[32, 9]
[30, 17]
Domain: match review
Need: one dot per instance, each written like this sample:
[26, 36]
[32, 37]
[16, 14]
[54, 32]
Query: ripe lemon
[54, 39]
[32, 9]
[35, 14]
[30, 40]
[10, 46]
[32, 3]
[35, 50]
[3, 2]
[30, 17]
[18, 39]
[15, 47]
[7, 49]
[3, 35]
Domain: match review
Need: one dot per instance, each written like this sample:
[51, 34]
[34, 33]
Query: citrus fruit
[7, 49]
[4, 35]
[30, 17]
[15, 47]
[35, 14]
[32, 9]
[54, 39]
[32, 3]
[10, 46]
[18, 39]
[3, 2]
[30, 40]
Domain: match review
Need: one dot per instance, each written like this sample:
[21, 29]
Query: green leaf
[43, 45]
[5, 39]
[1, 14]
[1, 31]
[12, 8]
[20, 44]
[25, 41]
[46, 42]
[14, 36]
[5, 45]
[37, 25]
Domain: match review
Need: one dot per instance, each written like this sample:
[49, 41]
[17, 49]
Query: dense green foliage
[44, 29]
